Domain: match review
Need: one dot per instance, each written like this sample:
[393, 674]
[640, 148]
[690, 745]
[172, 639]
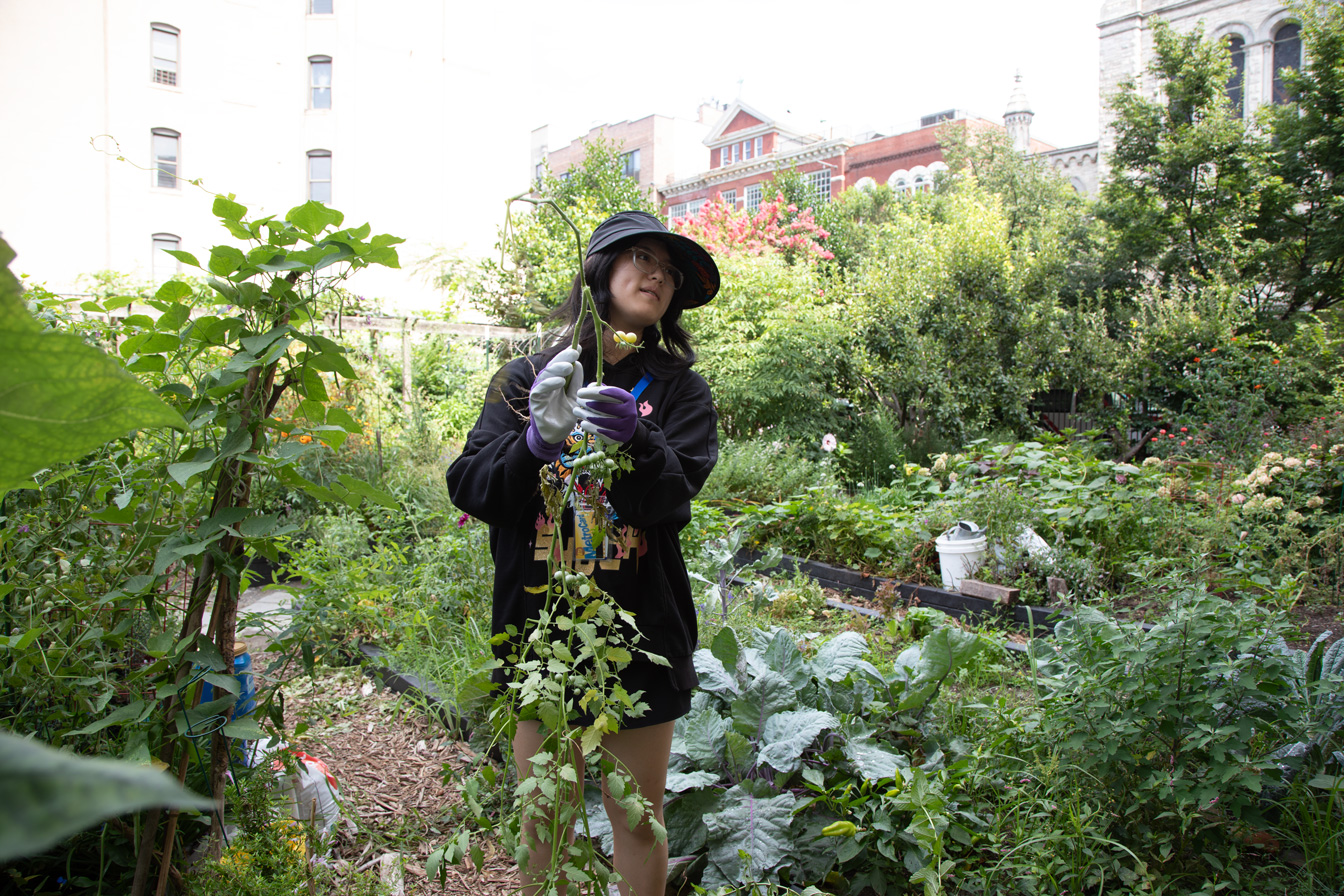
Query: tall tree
[1184, 194]
[1302, 220]
[537, 262]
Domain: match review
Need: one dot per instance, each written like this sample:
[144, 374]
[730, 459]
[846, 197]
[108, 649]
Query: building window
[630, 164]
[676, 211]
[746, 149]
[729, 198]
[1236, 82]
[1287, 55]
[319, 175]
[536, 176]
[319, 79]
[161, 264]
[820, 182]
[166, 144]
[758, 146]
[320, 7]
[752, 200]
[163, 66]
[693, 207]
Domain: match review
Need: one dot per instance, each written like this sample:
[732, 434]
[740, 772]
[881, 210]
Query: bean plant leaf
[50, 795]
[59, 397]
[788, 734]
[131, 712]
[749, 837]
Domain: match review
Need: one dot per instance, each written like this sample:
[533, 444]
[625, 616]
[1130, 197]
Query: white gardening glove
[551, 404]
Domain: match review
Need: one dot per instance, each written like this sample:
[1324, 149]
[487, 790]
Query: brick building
[747, 147]
[655, 149]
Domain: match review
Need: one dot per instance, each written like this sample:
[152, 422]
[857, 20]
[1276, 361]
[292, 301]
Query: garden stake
[169, 835]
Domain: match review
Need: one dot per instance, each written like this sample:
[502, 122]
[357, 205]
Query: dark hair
[666, 346]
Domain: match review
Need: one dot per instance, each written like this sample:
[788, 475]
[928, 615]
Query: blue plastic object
[246, 703]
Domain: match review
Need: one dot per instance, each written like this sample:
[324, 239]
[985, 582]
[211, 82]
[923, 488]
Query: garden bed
[861, 593]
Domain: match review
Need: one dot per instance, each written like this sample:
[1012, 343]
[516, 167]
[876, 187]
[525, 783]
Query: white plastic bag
[312, 793]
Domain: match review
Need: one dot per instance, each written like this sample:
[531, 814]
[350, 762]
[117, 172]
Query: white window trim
[820, 181]
[155, 170]
[154, 70]
[751, 200]
[313, 86]
[320, 154]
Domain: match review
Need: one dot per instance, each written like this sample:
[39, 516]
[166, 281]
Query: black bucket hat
[700, 273]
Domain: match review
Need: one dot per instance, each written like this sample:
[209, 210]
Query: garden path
[396, 767]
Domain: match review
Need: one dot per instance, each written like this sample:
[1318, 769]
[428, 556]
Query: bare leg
[527, 742]
[641, 754]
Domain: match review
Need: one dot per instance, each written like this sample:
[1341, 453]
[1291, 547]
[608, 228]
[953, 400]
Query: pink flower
[828, 442]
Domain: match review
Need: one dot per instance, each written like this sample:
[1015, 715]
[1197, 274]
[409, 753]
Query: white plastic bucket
[959, 557]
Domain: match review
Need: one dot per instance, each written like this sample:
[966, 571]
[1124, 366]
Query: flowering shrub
[724, 230]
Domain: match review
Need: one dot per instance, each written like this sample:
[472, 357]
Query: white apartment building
[278, 101]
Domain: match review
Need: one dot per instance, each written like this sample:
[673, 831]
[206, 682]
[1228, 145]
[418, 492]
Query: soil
[396, 771]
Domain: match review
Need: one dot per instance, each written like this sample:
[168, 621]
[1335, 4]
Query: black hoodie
[674, 447]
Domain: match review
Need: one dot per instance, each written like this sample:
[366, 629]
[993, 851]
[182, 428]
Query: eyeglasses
[645, 262]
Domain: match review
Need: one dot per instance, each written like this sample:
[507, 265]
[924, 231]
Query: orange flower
[305, 438]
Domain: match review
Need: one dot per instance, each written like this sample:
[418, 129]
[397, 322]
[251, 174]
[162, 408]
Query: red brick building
[746, 147]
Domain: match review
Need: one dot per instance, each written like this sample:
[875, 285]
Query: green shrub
[1176, 724]
[757, 471]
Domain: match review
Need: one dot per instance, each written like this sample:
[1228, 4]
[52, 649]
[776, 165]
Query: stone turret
[1017, 118]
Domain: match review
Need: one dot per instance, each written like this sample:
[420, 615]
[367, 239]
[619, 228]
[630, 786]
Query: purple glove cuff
[539, 447]
[615, 418]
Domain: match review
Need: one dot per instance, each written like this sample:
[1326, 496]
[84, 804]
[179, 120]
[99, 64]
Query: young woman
[662, 415]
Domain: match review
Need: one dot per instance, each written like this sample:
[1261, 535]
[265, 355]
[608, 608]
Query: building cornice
[893, 157]
[770, 162]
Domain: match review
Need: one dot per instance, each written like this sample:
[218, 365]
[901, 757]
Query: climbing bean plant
[156, 526]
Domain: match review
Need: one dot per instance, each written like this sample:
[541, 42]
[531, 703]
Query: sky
[846, 65]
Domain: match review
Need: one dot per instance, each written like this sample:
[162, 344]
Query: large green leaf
[841, 655]
[714, 678]
[749, 837]
[60, 398]
[684, 818]
[788, 734]
[784, 657]
[699, 737]
[50, 795]
[768, 694]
